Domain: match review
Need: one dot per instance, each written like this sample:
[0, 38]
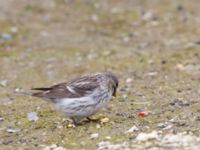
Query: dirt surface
[152, 46]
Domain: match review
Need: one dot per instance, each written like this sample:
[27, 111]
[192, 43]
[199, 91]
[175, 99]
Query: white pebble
[129, 80]
[132, 129]
[147, 136]
[3, 83]
[12, 130]
[32, 116]
[94, 135]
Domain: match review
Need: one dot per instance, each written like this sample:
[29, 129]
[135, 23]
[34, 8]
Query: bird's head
[113, 83]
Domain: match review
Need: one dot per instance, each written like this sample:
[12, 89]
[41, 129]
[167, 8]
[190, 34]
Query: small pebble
[1, 118]
[53, 147]
[14, 29]
[98, 126]
[6, 36]
[179, 67]
[3, 83]
[147, 136]
[12, 130]
[107, 137]
[104, 120]
[129, 80]
[94, 135]
[152, 73]
[32, 116]
[70, 125]
[132, 129]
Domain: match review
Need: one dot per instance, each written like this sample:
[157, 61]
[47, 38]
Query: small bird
[82, 96]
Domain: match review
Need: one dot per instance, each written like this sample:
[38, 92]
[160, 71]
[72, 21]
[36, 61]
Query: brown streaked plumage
[81, 97]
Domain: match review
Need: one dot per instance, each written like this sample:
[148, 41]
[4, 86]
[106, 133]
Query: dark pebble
[125, 115]
[7, 141]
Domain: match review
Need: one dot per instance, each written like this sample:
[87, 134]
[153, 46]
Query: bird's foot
[92, 119]
[69, 123]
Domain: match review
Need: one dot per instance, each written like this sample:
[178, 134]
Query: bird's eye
[117, 84]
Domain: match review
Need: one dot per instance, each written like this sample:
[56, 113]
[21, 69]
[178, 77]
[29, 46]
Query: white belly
[80, 107]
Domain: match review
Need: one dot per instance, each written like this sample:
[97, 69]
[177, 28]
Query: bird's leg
[75, 121]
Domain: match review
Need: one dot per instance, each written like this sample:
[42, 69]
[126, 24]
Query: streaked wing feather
[74, 89]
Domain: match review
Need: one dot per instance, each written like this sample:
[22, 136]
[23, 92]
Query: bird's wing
[76, 88]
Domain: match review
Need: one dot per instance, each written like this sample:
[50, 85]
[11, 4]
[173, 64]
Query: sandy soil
[152, 46]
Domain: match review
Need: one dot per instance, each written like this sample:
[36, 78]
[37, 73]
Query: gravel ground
[152, 46]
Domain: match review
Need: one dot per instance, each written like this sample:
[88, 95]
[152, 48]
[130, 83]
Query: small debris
[152, 73]
[104, 120]
[107, 137]
[6, 141]
[98, 126]
[197, 42]
[180, 7]
[70, 125]
[162, 125]
[180, 103]
[6, 36]
[94, 135]
[54, 147]
[106, 145]
[3, 83]
[94, 18]
[44, 33]
[13, 130]
[179, 67]
[14, 29]
[129, 80]
[132, 129]
[142, 114]
[1, 118]
[147, 16]
[32, 116]
[18, 89]
[147, 136]
[125, 115]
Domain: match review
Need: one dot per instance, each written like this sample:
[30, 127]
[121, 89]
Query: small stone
[32, 116]
[6, 36]
[126, 39]
[98, 126]
[148, 16]
[1, 118]
[14, 29]
[44, 33]
[162, 125]
[132, 129]
[104, 120]
[3, 83]
[147, 136]
[12, 130]
[70, 125]
[53, 147]
[152, 73]
[197, 42]
[94, 18]
[180, 7]
[94, 135]
[106, 53]
[107, 137]
[6, 141]
[129, 80]
[179, 67]
[18, 90]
